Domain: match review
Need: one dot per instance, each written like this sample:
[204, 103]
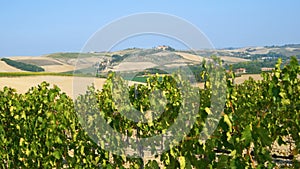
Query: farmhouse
[240, 71]
[165, 47]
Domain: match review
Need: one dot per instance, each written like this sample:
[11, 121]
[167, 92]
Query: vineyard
[44, 128]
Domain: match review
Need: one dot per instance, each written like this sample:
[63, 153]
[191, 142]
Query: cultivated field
[233, 59]
[238, 80]
[129, 66]
[75, 85]
[68, 84]
[65, 83]
[49, 64]
[6, 68]
[191, 57]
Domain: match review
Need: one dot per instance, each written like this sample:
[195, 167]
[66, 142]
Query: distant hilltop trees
[164, 47]
[23, 66]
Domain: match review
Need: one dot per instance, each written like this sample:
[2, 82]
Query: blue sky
[42, 27]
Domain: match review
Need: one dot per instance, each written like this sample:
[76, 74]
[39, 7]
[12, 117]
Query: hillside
[135, 59]
[49, 64]
[7, 68]
[136, 64]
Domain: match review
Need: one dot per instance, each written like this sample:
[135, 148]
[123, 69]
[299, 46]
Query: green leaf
[181, 160]
[58, 140]
[247, 136]
[207, 110]
[82, 150]
[152, 165]
[21, 141]
[264, 136]
[228, 122]
[57, 154]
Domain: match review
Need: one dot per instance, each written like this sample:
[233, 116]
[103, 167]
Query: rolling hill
[139, 59]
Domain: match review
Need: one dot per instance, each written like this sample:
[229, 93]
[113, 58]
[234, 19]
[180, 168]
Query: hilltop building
[164, 47]
[240, 71]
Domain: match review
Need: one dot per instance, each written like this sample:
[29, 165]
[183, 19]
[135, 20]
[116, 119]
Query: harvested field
[49, 64]
[65, 83]
[40, 62]
[6, 68]
[68, 84]
[128, 66]
[233, 59]
[239, 80]
[191, 57]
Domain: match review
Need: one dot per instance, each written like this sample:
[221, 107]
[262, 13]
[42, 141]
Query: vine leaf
[246, 135]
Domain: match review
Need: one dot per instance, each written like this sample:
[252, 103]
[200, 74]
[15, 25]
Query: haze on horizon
[37, 28]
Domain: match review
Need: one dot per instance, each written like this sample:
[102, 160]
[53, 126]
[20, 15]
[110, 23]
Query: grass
[141, 79]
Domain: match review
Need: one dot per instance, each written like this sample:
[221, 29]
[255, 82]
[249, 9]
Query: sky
[33, 28]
